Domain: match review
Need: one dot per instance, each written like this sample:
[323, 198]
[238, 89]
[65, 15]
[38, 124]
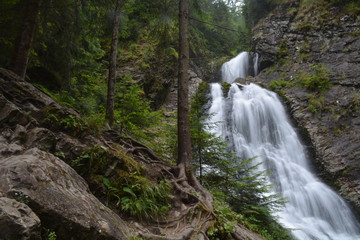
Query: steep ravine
[292, 41]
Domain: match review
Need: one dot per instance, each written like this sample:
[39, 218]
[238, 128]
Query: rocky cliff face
[296, 40]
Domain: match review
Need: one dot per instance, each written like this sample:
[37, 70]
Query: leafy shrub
[52, 236]
[227, 219]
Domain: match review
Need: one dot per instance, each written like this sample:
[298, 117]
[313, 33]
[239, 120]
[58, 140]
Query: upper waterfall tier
[243, 65]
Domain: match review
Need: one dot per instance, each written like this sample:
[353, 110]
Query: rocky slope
[295, 41]
[60, 175]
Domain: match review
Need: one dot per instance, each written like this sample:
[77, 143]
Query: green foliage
[350, 6]
[318, 80]
[353, 7]
[51, 236]
[305, 26]
[225, 87]
[254, 10]
[140, 197]
[280, 84]
[315, 103]
[132, 110]
[92, 160]
[209, 39]
[283, 49]
[64, 120]
[227, 219]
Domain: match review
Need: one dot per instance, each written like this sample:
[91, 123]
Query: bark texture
[184, 142]
[112, 66]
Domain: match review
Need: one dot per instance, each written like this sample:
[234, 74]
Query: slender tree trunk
[184, 142]
[19, 60]
[184, 161]
[112, 66]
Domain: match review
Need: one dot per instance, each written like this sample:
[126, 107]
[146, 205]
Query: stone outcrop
[56, 197]
[59, 195]
[291, 40]
[18, 221]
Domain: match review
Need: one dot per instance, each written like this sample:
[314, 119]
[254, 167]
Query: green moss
[226, 87]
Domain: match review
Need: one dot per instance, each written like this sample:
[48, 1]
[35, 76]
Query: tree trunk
[184, 161]
[19, 60]
[184, 142]
[112, 66]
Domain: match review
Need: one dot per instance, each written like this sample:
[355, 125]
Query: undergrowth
[139, 197]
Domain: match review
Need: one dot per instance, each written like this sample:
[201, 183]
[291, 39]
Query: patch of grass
[280, 84]
[305, 26]
[318, 80]
[283, 49]
[305, 47]
[316, 103]
[304, 57]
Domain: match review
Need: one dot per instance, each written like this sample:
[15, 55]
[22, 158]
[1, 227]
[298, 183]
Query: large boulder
[59, 196]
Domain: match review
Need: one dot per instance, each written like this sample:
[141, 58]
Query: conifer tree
[20, 57]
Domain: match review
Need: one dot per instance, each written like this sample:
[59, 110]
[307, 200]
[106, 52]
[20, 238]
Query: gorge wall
[296, 40]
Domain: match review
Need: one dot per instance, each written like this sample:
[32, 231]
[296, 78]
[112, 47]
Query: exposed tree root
[192, 211]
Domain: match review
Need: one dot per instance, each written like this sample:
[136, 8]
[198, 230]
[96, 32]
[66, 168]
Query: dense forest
[110, 67]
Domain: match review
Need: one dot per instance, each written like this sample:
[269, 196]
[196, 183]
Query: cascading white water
[229, 73]
[256, 124]
[256, 64]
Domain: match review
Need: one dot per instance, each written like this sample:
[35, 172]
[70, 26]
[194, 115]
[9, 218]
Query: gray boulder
[59, 196]
[18, 221]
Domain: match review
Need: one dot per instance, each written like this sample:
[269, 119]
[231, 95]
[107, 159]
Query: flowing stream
[255, 123]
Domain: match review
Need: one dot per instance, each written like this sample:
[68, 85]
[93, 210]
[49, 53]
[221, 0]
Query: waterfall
[235, 68]
[255, 123]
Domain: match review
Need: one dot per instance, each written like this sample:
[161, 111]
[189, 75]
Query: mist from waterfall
[255, 123]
